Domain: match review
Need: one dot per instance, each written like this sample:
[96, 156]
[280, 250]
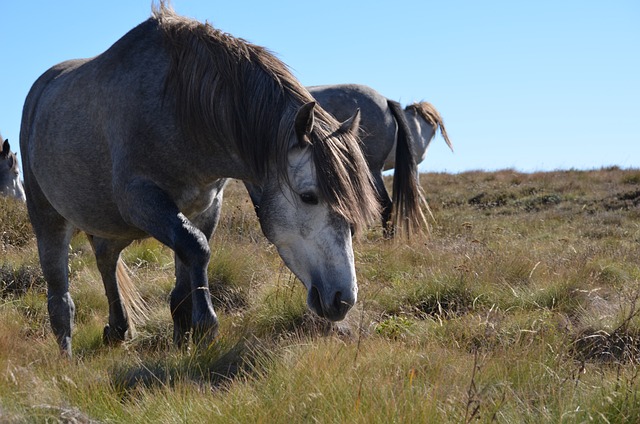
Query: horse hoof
[65, 348]
[203, 335]
[112, 337]
[181, 339]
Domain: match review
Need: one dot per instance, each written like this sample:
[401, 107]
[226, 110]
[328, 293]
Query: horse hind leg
[386, 206]
[53, 234]
[53, 250]
[107, 254]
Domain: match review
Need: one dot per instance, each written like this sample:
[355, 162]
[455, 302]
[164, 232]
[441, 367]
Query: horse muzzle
[331, 304]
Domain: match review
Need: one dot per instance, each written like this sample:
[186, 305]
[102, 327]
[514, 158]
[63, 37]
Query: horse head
[300, 217]
[10, 184]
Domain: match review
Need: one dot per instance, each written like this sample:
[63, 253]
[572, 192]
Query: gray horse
[10, 184]
[392, 138]
[139, 141]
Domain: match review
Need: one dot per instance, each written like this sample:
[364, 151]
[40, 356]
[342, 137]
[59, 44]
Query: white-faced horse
[139, 141]
[10, 184]
[392, 138]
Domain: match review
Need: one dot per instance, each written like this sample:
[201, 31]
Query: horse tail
[136, 307]
[408, 199]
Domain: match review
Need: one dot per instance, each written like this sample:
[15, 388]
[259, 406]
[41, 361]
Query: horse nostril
[340, 307]
[333, 307]
[337, 301]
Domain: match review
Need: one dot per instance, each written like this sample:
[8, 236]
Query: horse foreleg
[191, 295]
[151, 210]
[191, 308]
[181, 304]
[185, 295]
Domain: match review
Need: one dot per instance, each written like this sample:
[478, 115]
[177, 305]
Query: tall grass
[522, 305]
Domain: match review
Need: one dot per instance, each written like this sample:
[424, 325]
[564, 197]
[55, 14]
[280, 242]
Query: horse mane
[429, 113]
[227, 88]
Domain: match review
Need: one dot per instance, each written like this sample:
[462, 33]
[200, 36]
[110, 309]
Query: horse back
[377, 124]
[90, 124]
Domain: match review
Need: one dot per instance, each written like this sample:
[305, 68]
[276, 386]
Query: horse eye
[309, 198]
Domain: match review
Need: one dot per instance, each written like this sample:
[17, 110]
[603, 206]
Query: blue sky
[533, 86]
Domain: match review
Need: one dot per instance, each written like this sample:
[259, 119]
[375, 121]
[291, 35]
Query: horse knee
[190, 244]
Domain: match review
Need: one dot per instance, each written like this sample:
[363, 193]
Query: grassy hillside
[520, 306]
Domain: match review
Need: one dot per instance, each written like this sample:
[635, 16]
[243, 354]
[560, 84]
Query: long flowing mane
[226, 88]
[430, 114]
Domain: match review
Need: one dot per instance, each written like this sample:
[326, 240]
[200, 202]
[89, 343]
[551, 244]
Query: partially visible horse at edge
[392, 138]
[10, 184]
[140, 140]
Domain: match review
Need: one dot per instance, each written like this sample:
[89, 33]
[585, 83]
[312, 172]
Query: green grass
[521, 306]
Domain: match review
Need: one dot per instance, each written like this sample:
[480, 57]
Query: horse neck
[422, 133]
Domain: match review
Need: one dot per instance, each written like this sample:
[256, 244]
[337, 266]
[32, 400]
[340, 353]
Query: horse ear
[304, 123]
[6, 148]
[351, 125]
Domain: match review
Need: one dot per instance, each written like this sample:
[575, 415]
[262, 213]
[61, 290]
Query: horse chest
[196, 200]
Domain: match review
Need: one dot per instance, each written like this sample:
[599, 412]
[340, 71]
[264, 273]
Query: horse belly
[93, 211]
[81, 192]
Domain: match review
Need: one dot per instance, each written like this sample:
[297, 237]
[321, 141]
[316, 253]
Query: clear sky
[531, 85]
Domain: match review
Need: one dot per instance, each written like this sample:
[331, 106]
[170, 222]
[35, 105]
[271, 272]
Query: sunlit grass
[522, 305]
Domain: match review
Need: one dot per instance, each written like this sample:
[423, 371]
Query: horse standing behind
[139, 141]
[392, 139]
[10, 184]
